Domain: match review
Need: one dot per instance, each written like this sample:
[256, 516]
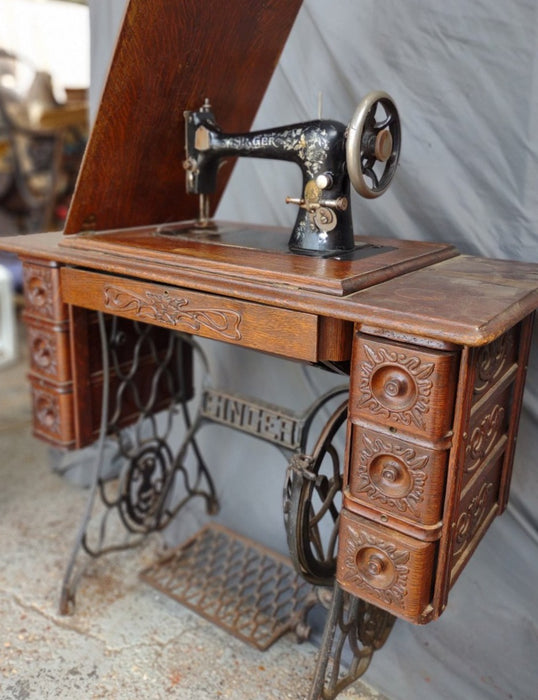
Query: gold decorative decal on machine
[377, 566]
[167, 308]
[392, 474]
[395, 385]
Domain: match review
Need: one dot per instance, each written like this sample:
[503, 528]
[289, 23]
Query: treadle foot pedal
[243, 587]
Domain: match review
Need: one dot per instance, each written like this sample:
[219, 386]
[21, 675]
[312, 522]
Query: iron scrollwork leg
[155, 479]
[360, 626]
[312, 499]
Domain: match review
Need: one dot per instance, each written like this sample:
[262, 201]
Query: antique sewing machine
[434, 343]
[328, 153]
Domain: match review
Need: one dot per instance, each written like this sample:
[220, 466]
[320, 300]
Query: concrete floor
[125, 640]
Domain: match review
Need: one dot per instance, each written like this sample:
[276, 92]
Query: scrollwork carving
[470, 520]
[171, 309]
[484, 437]
[492, 360]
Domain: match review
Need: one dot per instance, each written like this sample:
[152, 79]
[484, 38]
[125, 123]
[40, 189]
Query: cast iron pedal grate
[232, 581]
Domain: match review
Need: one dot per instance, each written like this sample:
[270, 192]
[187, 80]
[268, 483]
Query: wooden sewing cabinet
[435, 343]
[436, 346]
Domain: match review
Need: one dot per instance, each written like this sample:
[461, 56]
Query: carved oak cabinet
[435, 343]
[431, 439]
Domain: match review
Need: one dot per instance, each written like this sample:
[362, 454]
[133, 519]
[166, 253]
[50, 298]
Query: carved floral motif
[47, 412]
[376, 566]
[170, 309]
[395, 385]
[38, 289]
[392, 474]
[43, 351]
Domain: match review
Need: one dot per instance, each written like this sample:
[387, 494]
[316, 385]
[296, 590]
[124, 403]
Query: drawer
[48, 346]
[294, 334]
[396, 476]
[52, 408]
[42, 292]
[386, 568]
[404, 387]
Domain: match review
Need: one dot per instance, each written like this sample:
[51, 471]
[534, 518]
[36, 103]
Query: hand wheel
[373, 144]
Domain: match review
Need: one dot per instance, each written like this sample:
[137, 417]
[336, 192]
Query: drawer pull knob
[394, 388]
[391, 475]
[375, 567]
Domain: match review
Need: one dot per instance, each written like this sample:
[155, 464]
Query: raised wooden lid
[169, 57]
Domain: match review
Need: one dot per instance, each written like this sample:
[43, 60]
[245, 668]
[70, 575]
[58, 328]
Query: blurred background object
[44, 78]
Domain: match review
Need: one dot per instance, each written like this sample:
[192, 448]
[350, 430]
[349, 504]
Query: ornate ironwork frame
[155, 481]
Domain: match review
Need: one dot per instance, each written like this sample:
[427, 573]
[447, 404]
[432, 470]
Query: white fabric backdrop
[465, 78]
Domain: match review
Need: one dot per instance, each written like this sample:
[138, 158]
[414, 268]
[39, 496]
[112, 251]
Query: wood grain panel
[266, 328]
[169, 57]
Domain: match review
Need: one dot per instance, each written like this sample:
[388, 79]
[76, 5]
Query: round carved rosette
[394, 388]
[375, 567]
[391, 476]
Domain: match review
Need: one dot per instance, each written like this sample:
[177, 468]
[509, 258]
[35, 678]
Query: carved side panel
[386, 568]
[488, 428]
[476, 509]
[492, 361]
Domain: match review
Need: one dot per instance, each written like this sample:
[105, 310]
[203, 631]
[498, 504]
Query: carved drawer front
[279, 331]
[48, 346]
[396, 476]
[407, 388]
[386, 568]
[42, 292]
[52, 406]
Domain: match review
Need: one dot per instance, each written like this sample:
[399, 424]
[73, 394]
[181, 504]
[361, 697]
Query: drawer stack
[47, 322]
[430, 447]
[66, 371]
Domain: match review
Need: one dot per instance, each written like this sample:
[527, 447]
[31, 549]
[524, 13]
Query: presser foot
[354, 630]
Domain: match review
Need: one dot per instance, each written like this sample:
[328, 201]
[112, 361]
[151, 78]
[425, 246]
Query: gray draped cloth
[465, 78]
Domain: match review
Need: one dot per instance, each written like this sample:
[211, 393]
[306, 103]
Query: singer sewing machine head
[329, 153]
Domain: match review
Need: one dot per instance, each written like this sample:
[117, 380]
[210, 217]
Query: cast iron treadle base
[247, 589]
